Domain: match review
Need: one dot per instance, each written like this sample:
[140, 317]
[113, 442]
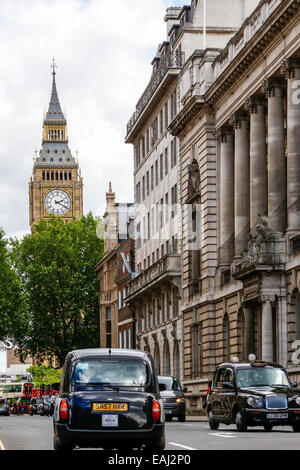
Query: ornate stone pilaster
[258, 158]
[226, 139]
[240, 123]
[291, 71]
[274, 90]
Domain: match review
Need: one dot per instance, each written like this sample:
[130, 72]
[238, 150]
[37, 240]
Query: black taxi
[255, 393]
[109, 398]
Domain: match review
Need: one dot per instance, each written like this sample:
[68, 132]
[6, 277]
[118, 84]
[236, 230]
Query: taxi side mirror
[228, 386]
[162, 387]
[294, 384]
[184, 389]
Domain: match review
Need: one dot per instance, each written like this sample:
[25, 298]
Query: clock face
[57, 202]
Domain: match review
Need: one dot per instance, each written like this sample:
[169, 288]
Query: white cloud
[103, 51]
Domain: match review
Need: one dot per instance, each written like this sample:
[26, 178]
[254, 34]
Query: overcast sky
[103, 51]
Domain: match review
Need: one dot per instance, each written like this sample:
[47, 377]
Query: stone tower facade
[56, 186]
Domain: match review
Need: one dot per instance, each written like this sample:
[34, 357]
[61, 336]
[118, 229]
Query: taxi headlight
[298, 400]
[255, 402]
[251, 401]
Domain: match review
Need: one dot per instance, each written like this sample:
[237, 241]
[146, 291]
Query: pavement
[201, 419]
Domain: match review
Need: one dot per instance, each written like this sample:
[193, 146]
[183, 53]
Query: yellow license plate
[110, 406]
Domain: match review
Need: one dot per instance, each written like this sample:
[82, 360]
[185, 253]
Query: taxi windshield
[170, 382]
[262, 377]
[126, 372]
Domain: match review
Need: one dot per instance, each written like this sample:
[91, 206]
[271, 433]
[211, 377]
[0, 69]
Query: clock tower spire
[56, 186]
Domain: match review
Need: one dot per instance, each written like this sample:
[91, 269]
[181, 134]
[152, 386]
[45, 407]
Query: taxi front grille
[274, 402]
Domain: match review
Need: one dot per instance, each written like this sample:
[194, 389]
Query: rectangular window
[108, 327]
[166, 115]
[138, 193]
[143, 188]
[161, 213]
[166, 162]
[161, 122]
[156, 173]
[147, 183]
[152, 177]
[161, 167]
[167, 207]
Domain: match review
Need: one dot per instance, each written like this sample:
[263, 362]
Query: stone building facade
[155, 293]
[238, 123]
[125, 270]
[117, 219]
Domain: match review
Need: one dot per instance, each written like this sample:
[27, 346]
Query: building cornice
[253, 48]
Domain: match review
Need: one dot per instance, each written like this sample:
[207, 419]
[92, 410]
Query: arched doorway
[167, 361]
[157, 358]
[176, 356]
[226, 338]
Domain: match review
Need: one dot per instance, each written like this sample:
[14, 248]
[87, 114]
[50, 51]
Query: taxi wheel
[60, 446]
[241, 425]
[213, 424]
[296, 427]
[268, 427]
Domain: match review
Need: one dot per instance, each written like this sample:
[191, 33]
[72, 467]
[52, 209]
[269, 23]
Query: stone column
[267, 329]
[275, 92]
[258, 159]
[226, 195]
[241, 181]
[291, 69]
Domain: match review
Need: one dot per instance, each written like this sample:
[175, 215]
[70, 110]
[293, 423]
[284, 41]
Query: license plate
[110, 406]
[110, 421]
[277, 416]
[168, 412]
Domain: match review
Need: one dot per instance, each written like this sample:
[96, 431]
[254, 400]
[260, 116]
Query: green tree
[56, 264]
[14, 316]
[44, 375]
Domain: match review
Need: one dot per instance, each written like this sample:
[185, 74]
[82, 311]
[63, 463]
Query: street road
[35, 433]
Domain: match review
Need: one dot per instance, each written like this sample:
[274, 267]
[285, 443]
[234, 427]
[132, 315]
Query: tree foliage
[44, 375]
[56, 264]
[14, 316]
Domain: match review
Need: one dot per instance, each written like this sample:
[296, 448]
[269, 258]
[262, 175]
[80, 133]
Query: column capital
[264, 298]
[251, 104]
[221, 133]
[237, 118]
[270, 84]
[288, 67]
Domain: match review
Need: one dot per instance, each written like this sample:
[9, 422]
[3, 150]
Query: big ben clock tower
[56, 186]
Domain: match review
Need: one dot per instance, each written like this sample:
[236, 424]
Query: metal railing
[173, 60]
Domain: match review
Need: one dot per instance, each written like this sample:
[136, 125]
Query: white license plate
[277, 415]
[110, 421]
[168, 412]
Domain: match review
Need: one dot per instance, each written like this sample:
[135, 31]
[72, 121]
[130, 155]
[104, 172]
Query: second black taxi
[254, 393]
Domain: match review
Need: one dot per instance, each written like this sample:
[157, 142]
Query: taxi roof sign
[259, 364]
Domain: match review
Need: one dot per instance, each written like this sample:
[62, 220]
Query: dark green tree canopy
[56, 264]
[14, 316]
